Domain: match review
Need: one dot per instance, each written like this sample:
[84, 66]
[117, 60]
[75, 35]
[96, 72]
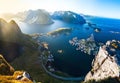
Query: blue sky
[106, 8]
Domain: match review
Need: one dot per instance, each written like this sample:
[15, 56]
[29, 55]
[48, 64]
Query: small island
[58, 31]
[94, 26]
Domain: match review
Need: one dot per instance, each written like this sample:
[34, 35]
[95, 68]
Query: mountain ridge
[105, 63]
[69, 16]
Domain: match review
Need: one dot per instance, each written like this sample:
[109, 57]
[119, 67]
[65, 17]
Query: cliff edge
[103, 66]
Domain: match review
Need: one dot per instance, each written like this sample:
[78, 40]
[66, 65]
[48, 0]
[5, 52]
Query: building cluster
[87, 46]
[50, 63]
[47, 58]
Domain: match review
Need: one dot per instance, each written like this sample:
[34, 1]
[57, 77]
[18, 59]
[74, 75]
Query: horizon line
[2, 13]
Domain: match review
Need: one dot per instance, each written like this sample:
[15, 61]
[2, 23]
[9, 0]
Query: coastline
[57, 76]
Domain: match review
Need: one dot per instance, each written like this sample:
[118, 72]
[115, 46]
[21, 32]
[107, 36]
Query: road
[60, 77]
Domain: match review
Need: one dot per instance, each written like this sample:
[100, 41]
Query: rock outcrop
[37, 17]
[104, 65]
[5, 67]
[69, 17]
[9, 75]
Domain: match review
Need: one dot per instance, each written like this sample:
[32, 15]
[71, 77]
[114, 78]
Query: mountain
[9, 31]
[68, 16]
[21, 51]
[37, 17]
[9, 38]
[12, 40]
[105, 63]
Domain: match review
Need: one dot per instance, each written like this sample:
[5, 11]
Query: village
[87, 46]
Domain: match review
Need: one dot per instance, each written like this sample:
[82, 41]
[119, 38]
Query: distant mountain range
[43, 17]
[69, 16]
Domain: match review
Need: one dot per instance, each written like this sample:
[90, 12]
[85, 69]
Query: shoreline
[57, 76]
[61, 77]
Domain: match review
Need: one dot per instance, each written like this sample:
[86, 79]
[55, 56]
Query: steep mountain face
[37, 17]
[104, 65]
[9, 31]
[13, 41]
[10, 36]
[69, 17]
[5, 68]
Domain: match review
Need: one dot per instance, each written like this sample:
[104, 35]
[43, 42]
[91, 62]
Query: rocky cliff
[104, 65]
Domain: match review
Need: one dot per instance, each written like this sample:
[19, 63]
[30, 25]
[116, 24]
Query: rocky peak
[10, 39]
[103, 66]
[14, 26]
[2, 23]
[12, 22]
[9, 31]
[2, 20]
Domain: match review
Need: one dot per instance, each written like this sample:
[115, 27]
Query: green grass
[29, 61]
[12, 78]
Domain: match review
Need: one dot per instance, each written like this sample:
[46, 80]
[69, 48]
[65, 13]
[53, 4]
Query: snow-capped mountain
[37, 17]
[68, 16]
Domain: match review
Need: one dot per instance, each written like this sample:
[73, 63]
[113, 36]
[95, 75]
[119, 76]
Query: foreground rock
[9, 75]
[104, 65]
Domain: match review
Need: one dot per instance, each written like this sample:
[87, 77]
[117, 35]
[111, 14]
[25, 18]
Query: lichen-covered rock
[103, 66]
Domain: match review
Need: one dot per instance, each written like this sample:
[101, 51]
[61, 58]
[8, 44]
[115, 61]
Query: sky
[105, 8]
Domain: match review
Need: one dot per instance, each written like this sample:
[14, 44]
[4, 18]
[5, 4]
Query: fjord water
[71, 61]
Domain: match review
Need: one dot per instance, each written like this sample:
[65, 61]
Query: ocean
[71, 61]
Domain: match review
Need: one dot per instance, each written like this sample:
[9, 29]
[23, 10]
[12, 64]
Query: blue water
[71, 61]
[107, 25]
